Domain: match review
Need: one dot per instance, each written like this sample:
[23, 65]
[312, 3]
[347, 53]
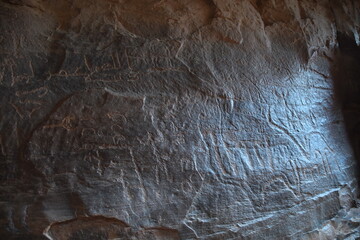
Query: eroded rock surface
[176, 119]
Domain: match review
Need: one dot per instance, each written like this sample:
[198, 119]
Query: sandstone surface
[170, 119]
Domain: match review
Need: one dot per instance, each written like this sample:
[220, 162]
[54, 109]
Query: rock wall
[169, 119]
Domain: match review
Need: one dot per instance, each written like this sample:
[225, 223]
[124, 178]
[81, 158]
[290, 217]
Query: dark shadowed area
[346, 74]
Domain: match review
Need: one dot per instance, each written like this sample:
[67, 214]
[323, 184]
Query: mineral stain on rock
[169, 119]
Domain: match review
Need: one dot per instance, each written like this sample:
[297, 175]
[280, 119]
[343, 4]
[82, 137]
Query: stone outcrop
[169, 119]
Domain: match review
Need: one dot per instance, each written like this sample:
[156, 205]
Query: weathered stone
[179, 119]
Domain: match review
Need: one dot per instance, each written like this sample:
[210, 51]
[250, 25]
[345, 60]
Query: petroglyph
[183, 119]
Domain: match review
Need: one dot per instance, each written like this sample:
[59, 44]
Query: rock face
[201, 119]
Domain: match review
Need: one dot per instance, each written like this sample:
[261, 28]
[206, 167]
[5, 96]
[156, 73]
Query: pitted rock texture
[169, 119]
